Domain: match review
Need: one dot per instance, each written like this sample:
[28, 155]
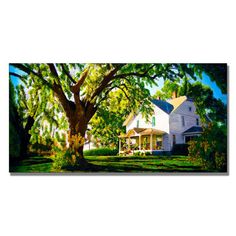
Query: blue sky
[216, 91]
[15, 80]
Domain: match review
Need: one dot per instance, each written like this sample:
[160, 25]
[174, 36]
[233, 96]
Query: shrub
[210, 149]
[64, 160]
[38, 147]
[101, 152]
[180, 149]
[141, 153]
[148, 153]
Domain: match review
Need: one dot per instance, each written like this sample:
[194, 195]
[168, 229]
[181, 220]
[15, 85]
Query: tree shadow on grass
[36, 160]
[25, 165]
[113, 167]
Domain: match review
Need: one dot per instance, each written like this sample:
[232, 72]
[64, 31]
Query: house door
[174, 139]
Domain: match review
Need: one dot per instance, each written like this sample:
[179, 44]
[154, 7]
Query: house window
[153, 121]
[158, 143]
[137, 123]
[183, 121]
[197, 121]
[174, 139]
[190, 108]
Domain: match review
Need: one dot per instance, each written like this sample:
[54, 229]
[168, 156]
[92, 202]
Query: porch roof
[141, 131]
[193, 129]
[150, 131]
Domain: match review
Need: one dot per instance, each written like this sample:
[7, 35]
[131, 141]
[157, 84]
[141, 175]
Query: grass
[34, 164]
[145, 164]
[116, 164]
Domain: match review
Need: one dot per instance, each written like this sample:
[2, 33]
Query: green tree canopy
[107, 123]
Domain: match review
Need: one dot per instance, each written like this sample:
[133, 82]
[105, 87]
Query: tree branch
[18, 76]
[90, 108]
[54, 72]
[66, 104]
[124, 90]
[57, 88]
[76, 88]
[67, 73]
[109, 90]
[28, 71]
[105, 81]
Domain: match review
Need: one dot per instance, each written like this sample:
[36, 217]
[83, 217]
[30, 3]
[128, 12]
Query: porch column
[119, 145]
[151, 142]
[140, 142]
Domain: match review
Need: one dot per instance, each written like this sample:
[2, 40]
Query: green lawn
[116, 164]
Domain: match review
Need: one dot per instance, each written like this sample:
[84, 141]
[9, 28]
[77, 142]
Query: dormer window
[190, 109]
[137, 123]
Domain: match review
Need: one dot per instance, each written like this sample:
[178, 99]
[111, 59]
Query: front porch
[141, 140]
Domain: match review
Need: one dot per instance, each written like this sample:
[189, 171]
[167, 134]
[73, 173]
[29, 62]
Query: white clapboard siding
[190, 119]
[162, 121]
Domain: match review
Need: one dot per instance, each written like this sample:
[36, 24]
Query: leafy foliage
[107, 123]
[216, 72]
[210, 149]
[38, 105]
[64, 160]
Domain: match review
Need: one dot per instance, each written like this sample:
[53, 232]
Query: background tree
[206, 104]
[14, 126]
[107, 123]
[39, 117]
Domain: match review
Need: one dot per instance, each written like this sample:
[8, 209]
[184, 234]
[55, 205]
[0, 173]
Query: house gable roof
[176, 102]
[163, 105]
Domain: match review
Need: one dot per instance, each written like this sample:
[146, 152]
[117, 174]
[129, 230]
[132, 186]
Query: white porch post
[140, 142]
[151, 142]
[119, 145]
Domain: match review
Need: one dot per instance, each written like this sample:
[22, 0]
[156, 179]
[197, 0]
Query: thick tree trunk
[26, 137]
[78, 127]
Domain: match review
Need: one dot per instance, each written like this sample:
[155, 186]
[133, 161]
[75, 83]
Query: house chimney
[174, 94]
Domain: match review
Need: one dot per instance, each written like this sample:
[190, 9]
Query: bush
[180, 149]
[210, 149]
[64, 160]
[101, 152]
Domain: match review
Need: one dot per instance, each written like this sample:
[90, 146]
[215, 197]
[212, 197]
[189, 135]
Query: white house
[173, 122]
